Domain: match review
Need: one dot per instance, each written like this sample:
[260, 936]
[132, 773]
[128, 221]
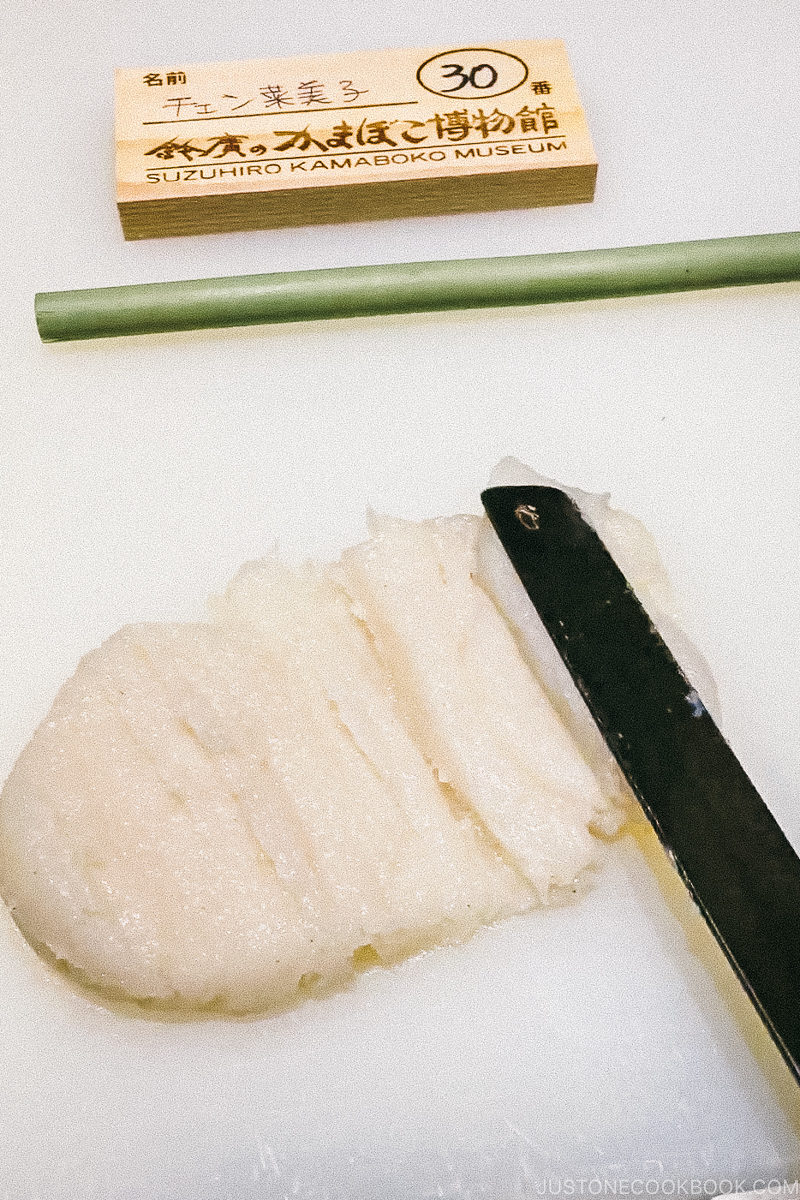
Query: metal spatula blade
[718, 832]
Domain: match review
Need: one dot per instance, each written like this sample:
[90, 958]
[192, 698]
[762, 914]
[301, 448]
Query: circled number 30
[482, 76]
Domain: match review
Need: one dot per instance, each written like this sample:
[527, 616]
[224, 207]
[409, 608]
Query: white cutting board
[589, 1043]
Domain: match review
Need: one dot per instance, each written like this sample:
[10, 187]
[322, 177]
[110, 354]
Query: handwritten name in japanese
[269, 97]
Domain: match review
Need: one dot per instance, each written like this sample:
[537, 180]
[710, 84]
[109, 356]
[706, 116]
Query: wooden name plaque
[215, 147]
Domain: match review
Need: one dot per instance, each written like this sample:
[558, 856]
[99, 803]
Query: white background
[137, 474]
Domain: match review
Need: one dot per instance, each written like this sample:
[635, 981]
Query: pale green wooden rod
[417, 287]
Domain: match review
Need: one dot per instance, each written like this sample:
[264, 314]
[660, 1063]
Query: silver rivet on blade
[527, 515]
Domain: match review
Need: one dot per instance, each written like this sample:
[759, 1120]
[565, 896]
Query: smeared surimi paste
[348, 763]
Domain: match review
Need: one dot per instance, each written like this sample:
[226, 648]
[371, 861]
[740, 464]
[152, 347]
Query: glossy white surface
[137, 474]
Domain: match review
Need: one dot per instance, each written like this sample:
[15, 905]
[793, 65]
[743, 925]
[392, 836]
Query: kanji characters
[276, 96]
[453, 125]
[227, 143]
[527, 120]
[495, 122]
[470, 126]
[349, 92]
[168, 150]
[547, 115]
[312, 92]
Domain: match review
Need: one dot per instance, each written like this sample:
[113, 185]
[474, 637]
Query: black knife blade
[730, 851]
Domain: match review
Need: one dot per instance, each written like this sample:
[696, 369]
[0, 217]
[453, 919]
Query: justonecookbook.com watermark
[665, 1185]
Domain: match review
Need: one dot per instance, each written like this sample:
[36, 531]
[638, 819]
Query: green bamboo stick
[417, 287]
